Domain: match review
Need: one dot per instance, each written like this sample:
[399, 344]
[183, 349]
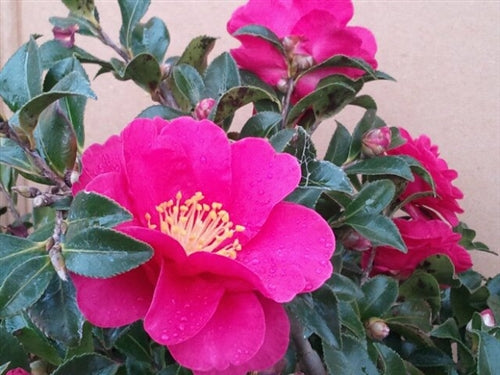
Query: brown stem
[368, 269]
[286, 102]
[309, 360]
[103, 37]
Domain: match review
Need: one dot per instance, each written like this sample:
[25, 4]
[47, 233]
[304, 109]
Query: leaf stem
[310, 361]
[105, 39]
[286, 102]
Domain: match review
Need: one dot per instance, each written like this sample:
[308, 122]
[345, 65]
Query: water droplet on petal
[203, 159]
[164, 337]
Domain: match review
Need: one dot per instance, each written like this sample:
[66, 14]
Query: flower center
[197, 226]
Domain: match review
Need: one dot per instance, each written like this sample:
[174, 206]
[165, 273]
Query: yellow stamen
[197, 226]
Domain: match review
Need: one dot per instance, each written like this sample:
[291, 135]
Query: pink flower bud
[377, 329]
[203, 108]
[17, 371]
[488, 318]
[376, 141]
[282, 85]
[354, 241]
[65, 35]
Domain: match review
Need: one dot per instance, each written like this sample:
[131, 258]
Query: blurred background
[445, 56]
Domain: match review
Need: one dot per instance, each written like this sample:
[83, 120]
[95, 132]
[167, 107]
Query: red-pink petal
[291, 252]
[252, 198]
[181, 306]
[233, 336]
[115, 301]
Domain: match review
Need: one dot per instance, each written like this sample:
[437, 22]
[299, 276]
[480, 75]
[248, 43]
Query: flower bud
[376, 329]
[376, 141]
[302, 62]
[65, 35]
[354, 241]
[289, 43]
[203, 108]
[282, 85]
[488, 318]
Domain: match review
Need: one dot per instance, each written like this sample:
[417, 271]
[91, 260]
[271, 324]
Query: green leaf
[56, 313]
[321, 174]
[135, 343]
[350, 319]
[261, 32]
[342, 61]
[371, 199]
[418, 169]
[151, 37]
[493, 301]
[391, 361]
[338, 148]
[24, 284]
[91, 209]
[196, 53]
[378, 229]
[302, 147]
[382, 165]
[416, 313]
[369, 121]
[431, 357]
[447, 330]
[305, 196]
[11, 154]
[53, 51]
[4, 368]
[237, 97]
[353, 359]
[344, 288]
[281, 139]
[488, 361]
[364, 101]
[467, 240]
[263, 124]
[20, 78]
[464, 303]
[221, 75]
[102, 252]
[442, 268]
[86, 344]
[159, 110]
[11, 351]
[82, 8]
[145, 71]
[189, 82]
[422, 286]
[132, 11]
[380, 293]
[88, 364]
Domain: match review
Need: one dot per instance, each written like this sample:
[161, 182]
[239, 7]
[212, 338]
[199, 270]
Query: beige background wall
[444, 54]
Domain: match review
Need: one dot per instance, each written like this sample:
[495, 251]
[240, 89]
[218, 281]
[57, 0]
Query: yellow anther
[239, 228]
[178, 196]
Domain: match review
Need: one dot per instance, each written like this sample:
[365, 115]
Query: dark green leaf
[379, 295]
[281, 139]
[151, 37]
[378, 229]
[24, 284]
[88, 364]
[189, 82]
[145, 71]
[382, 165]
[488, 361]
[134, 343]
[166, 113]
[13, 155]
[96, 210]
[364, 101]
[321, 174]
[305, 196]
[353, 359]
[350, 319]
[419, 170]
[372, 198]
[86, 344]
[11, 351]
[493, 301]
[447, 330]
[338, 148]
[344, 288]
[81, 8]
[430, 357]
[221, 75]
[467, 240]
[422, 286]
[237, 97]
[196, 53]
[442, 268]
[302, 147]
[369, 121]
[20, 78]
[251, 79]
[53, 51]
[101, 252]
[391, 361]
[342, 61]
[263, 124]
[464, 303]
[262, 32]
[59, 301]
[415, 313]
[132, 11]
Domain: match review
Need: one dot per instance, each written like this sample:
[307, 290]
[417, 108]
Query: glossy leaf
[464, 303]
[52, 51]
[488, 361]
[20, 77]
[431, 357]
[338, 148]
[305, 196]
[382, 165]
[135, 343]
[189, 83]
[221, 75]
[11, 154]
[442, 268]
[391, 361]
[344, 288]
[88, 364]
[166, 113]
[349, 317]
[101, 252]
[321, 174]
[151, 37]
[380, 293]
[196, 53]
[342, 61]
[262, 124]
[378, 229]
[281, 139]
[91, 209]
[372, 198]
[261, 32]
[11, 351]
[81, 8]
[59, 301]
[415, 313]
[422, 286]
[131, 11]
[353, 359]
[145, 71]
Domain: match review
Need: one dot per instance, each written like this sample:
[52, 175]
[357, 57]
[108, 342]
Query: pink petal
[252, 199]
[233, 336]
[181, 306]
[115, 301]
[112, 185]
[291, 253]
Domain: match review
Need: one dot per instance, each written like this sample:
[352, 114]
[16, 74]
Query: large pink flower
[423, 238]
[227, 250]
[445, 203]
[314, 29]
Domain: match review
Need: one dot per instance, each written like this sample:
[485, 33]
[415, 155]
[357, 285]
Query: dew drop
[203, 159]
[183, 319]
[164, 337]
[181, 327]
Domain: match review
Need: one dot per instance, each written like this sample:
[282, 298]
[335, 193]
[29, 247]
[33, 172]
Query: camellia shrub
[194, 243]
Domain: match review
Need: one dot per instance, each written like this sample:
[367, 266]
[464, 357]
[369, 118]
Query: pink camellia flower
[17, 371]
[445, 203]
[423, 238]
[311, 31]
[66, 36]
[227, 250]
[376, 141]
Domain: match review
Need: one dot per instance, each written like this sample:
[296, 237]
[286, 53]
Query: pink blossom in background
[17, 371]
[445, 204]
[313, 31]
[227, 250]
[423, 238]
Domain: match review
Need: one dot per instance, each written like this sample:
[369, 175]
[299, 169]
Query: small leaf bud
[203, 108]
[376, 141]
[57, 260]
[65, 35]
[376, 329]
